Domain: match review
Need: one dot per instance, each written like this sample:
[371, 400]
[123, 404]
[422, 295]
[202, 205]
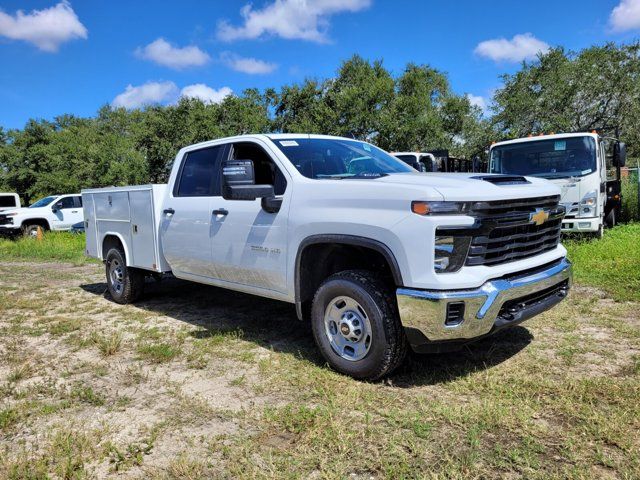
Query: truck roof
[270, 136]
[555, 136]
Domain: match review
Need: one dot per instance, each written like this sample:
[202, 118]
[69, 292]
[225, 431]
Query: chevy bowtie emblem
[539, 216]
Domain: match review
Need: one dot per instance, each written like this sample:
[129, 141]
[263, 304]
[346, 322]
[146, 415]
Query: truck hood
[472, 186]
[20, 211]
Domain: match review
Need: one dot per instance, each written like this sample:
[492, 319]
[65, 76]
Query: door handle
[169, 211]
[220, 211]
[74, 211]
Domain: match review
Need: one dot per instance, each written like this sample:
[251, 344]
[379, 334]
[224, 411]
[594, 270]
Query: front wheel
[31, 230]
[356, 325]
[125, 284]
[610, 219]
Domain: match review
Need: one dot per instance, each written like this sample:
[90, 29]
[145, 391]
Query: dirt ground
[195, 381]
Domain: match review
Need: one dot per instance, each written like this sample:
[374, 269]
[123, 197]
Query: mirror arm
[271, 204]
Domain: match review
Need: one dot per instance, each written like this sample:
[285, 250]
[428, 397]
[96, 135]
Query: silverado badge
[539, 216]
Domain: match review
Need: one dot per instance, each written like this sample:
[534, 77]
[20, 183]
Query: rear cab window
[199, 174]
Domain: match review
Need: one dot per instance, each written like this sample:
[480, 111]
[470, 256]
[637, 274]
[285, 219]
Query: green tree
[596, 88]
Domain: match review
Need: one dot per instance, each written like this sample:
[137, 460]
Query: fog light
[450, 252]
[584, 224]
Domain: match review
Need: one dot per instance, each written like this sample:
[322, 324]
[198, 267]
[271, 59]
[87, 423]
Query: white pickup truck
[376, 255]
[56, 212]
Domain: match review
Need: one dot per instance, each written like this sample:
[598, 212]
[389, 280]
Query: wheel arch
[43, 222]
[111, 240]
[327, 242]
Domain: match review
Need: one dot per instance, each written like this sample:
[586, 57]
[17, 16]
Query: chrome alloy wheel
[116, 275]
[348, 328]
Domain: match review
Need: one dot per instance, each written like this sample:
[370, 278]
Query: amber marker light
[420, 208]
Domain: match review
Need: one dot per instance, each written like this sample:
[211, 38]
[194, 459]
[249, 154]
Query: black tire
[599, 234]
[125, 284]
[610, 219]
[31, 230]
[388, 344]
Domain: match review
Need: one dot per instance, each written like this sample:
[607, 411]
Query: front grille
[509, 234]
[5, 220]
[505, 232]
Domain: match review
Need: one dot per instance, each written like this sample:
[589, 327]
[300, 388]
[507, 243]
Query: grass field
[195, 381]
[57, 246]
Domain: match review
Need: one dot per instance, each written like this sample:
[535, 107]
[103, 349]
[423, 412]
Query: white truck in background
[55, 212]
[422, 162]
[586, 167]
[376, 255]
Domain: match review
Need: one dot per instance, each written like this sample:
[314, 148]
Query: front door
[68, 211]
[249, 244]
[186, 226]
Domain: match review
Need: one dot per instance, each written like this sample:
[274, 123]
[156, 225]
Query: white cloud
[521, 47]
[47, 29]
[290, 19]
[163, 53]
[205, 93]
[252, 66]
[626, 16]
[478, 101]
[148, 93]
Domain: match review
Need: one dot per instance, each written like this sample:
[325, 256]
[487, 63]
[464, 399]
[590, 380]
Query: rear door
[185, 228]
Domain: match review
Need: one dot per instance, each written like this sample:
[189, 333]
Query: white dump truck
[586, 167]
[378, 256]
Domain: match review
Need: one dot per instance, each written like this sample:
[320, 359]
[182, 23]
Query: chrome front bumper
[478, 312]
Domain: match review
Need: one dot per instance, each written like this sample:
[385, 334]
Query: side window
[266, 171]
[65, 202]
[198, 176]
[77, 201]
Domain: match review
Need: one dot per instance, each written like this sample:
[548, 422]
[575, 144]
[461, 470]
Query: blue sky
[72, 57]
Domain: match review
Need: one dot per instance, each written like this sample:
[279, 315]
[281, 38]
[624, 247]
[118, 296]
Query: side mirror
[619, 154]
[238, 181]
[56, 207]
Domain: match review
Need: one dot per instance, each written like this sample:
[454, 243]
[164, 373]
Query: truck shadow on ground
[274, 325]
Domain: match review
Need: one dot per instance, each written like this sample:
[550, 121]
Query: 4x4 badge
[539, 216]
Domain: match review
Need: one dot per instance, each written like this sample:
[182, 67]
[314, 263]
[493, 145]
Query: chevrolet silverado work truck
[56, 212]
[378, 256]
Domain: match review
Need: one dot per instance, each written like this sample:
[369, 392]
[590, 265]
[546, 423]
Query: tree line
[596, 88]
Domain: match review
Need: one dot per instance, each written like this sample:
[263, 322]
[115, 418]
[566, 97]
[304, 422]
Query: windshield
[567, 157]
[43, 202]
[320, 158]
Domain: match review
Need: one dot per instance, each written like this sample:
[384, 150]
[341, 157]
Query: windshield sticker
[584, 172]
[366, 147]
[560, 145]
[288, 143]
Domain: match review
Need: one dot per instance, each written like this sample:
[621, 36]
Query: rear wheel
[356, 325]
[125, 284]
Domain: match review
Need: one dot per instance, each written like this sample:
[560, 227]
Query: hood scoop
[503, 179]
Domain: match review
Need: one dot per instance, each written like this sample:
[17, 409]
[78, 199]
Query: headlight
[439, 208]
[450, 253]
[588, 204]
